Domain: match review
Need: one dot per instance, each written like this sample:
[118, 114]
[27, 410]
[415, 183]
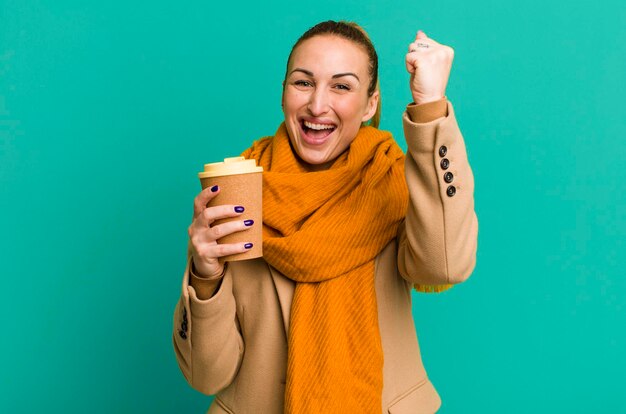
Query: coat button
[443, 150]
[448, 177]
[451, 191]
[182, 334]
[444, 164]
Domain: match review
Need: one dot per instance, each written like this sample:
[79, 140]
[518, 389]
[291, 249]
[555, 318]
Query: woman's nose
[318, 102]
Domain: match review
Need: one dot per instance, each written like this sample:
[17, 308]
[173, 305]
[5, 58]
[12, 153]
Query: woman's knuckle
[195, 241]
[204, 251]
[206, 214]
[197, 205]
[221, 249]
[218, 231]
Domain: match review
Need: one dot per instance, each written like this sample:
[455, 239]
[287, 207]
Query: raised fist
[429, 64]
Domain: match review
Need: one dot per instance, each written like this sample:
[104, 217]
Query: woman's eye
[342, 87]
[302, 83]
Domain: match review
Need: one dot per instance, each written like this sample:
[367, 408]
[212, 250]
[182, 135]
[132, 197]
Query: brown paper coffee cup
[241, 184]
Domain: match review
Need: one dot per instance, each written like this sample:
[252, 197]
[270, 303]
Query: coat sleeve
[206, 336]
[438, 239]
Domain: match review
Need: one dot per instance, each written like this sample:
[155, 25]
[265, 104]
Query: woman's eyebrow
[306, 72]
[338, 75]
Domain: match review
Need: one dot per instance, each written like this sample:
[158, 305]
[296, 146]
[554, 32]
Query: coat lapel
[284, 288]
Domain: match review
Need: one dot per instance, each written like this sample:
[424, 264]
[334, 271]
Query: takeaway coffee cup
[241, 184]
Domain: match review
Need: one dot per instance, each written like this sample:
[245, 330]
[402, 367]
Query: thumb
[420, 35]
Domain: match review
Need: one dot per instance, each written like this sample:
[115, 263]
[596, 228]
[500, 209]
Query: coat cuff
[204, 287]
[428, 111]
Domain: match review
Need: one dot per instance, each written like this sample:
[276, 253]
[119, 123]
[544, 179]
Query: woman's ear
[372, 105]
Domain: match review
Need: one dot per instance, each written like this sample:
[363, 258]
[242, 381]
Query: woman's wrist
[205, 287]
[424, 100]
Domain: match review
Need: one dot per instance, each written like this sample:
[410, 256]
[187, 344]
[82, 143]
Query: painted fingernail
[248, 245]
[239, 209]
[248, 222]
[214, 188]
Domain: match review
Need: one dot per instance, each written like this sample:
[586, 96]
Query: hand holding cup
[204, 233]
[230, 202]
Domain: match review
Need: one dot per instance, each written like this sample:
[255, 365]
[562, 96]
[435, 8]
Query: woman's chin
[315, 162]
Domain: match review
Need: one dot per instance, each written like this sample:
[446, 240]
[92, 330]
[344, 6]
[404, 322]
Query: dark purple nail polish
[248, 222]
[248, 245]
[214, 188]
[239, 209]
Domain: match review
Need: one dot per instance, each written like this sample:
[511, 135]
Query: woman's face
[325, 98]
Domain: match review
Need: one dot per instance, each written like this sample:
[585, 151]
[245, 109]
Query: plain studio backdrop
[109, 109]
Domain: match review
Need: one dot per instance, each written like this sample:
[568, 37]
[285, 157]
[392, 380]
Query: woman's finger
[210, 214]
[230, 227]
[220, 250]
[411, 62]
[422, 47]
[202, 199]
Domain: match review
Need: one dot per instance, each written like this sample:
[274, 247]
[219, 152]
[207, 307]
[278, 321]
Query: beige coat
[234, 344]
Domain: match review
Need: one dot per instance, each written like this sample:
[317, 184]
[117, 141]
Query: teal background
[109, 109]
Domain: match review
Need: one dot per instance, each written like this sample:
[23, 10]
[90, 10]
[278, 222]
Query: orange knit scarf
[324, 230]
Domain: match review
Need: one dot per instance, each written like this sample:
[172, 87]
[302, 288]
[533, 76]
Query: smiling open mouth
[316, 133]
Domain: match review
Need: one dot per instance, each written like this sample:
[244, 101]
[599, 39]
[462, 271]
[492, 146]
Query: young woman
[323, 323]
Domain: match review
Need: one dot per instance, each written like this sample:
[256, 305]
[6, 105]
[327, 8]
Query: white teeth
[318, 127]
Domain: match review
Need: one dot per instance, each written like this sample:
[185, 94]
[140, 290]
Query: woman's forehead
[330, 54]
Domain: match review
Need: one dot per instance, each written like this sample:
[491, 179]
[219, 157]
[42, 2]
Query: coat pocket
[422, 398]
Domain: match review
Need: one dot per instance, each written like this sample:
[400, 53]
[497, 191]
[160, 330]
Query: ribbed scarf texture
[324, 230]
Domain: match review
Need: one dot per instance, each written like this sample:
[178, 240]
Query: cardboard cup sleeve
[240, 190]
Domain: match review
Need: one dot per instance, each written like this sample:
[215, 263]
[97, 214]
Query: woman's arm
[437, 241]
[206, 336]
